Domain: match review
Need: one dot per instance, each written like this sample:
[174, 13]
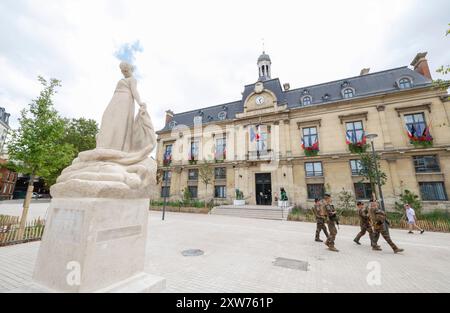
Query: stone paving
[244, 255]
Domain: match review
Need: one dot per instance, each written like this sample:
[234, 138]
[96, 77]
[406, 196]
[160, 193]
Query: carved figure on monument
[120, 166]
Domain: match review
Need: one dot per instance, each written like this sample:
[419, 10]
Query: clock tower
[264, 64]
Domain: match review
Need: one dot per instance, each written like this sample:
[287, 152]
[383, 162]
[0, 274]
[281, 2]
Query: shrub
[411, 198]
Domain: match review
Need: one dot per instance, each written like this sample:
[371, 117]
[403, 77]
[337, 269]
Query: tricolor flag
[254, 135]
[348, 138]
[411, 131]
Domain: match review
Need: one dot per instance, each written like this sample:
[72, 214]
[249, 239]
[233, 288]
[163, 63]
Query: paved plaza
[240, 255]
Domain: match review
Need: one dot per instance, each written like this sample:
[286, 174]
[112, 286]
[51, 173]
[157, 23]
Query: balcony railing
[265, 155]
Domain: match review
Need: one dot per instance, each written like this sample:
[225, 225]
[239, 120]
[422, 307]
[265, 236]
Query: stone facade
[264, 131]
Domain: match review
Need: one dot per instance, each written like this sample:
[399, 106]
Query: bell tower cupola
[264, 65]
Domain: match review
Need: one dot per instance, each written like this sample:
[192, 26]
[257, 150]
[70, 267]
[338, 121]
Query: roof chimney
[364, 71]
[420, 65]
[169, 116]
[287, 86]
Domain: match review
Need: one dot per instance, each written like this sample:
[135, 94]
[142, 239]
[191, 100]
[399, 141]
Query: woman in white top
[411, 216]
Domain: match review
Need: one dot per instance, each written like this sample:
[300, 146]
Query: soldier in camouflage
[320, 220]
[363, 213]
[380, 225]
[327, 210]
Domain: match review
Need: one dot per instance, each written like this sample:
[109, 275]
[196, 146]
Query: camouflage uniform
[380, 226]
[329, 211]
[320, 220]
[364, 220]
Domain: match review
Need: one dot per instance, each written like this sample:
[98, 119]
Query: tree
[37, 148]
[412, 199]
[81, 133]
[346, 201]
[369, 165]
[443, 84]
[206, 174]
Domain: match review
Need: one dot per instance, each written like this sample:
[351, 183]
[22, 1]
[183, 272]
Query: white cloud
[201, 53]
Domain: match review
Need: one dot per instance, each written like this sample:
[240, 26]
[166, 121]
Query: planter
[283, 204]
[239, 202]
[311, 153]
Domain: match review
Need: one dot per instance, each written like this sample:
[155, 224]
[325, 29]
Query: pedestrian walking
[412, 219]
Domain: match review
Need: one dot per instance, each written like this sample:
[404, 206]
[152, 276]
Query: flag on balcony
[254, 135]
[314, 146]
[348, 138]
[412, 131]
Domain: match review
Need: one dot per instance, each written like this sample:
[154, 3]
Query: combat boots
[398, 250]
[357, 241]
[319, 240]
[376, 248]
[332, 248]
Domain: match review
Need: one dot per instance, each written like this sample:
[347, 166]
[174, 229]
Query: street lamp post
[371, 137]
[166, 181]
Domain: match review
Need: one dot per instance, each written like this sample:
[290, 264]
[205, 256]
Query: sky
[193, 54]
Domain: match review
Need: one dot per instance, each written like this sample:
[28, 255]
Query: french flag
[348, 138]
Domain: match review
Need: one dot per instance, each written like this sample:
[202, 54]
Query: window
[356, 167]
[310, 136]
[222, 115]
[313, 169]
[404, 83]
[363, 191]
[220, 192]
[193, 175]
[221, 149]
[426, 164]
[167, 176]
[194, 151]
[316, 191]
[261, 143]
[415, 124]
[355, 131]
[193, 190]
[307, 100]
[434, 191]
[165, 192]
[220, 173]
[348, 93]
[168, 155]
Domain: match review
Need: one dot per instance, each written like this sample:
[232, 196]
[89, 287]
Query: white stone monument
[95, 236]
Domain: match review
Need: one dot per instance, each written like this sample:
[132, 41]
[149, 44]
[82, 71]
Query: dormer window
[306, 100]
[172, 125]
[305, 92]
[348, 93]
[326, 97]
[404, 83]
[222, 115]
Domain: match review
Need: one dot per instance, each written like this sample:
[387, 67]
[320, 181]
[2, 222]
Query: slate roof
[364, 86]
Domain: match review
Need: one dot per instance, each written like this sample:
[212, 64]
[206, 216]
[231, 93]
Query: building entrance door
[263, 189]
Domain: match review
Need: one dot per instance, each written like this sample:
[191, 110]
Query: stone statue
[96, 232]
[120, 166]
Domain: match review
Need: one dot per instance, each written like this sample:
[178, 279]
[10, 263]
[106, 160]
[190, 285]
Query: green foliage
[412, 199]
[443, 84]
[346, 201]
[206, 173]
[187, 196]
[37, 147]
[239, 195]
[357, 148]
[422, 143]
[311, 153]
[81, 133]
[369, 165]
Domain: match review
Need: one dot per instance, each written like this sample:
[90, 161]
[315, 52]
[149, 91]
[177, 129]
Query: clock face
[260, 100]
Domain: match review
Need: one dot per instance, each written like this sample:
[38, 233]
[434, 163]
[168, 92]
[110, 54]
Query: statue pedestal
[95, 245]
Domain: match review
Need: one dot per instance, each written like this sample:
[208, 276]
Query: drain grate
[192, 252]
[291, 264]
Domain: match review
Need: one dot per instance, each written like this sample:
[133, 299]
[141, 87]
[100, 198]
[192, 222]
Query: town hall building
[306, 140]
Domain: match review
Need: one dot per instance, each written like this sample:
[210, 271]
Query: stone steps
[270, 213]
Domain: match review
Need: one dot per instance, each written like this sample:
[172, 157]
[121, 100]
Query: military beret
[327, 195]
